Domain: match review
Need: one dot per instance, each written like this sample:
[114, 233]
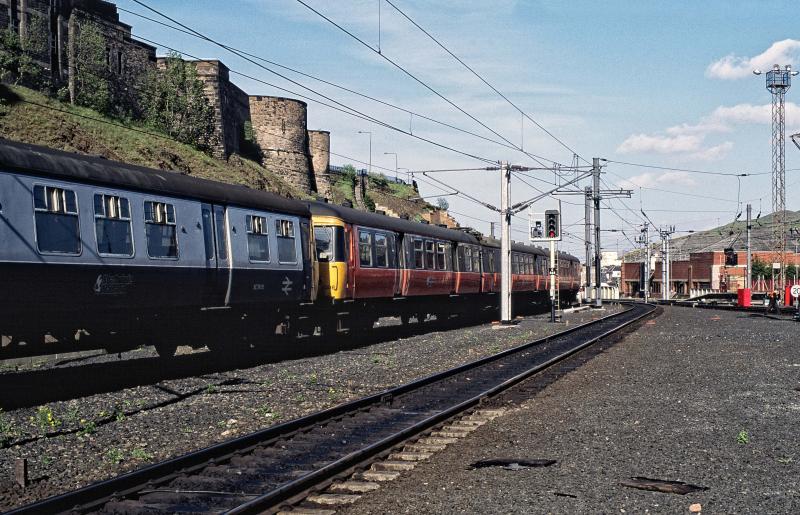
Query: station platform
[707, 398]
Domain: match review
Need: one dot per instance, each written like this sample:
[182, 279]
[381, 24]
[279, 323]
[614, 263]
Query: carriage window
[221, 232]
[160, 230]
[381, 251]
[112, 225]
[330, 244]
[491, 262]
[430, 255]
[257, 238]
[476, 260]
[441, 263]
[418, 255]
[365, 248]
[323, 239]
[287, 252]
[467, 259]
[56, 214]
[460, 258]
[208, 232]
[514, 263]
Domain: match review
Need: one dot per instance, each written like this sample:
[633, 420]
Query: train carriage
[108, 248]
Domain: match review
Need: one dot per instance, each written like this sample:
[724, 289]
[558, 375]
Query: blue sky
[665, 84]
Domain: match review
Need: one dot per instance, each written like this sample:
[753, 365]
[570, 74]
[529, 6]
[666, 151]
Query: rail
[286, 460]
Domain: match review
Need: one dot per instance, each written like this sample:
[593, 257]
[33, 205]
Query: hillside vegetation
[31, 117]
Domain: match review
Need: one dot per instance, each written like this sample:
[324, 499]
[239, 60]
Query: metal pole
[505, 243]
[669, 275]
[588, 225]
[664, 276]
[596, 182]
[646, 278]
[552, 281]
[749, 276]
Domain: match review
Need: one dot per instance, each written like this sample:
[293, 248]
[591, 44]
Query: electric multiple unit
[101, 254]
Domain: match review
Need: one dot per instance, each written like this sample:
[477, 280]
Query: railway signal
[552, 219]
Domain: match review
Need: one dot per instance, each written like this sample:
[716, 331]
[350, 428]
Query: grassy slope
[73, 129]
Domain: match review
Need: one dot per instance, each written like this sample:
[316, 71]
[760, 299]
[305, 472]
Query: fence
[363, 171]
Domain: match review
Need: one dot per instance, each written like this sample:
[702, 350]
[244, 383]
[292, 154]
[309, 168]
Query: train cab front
[329, 234]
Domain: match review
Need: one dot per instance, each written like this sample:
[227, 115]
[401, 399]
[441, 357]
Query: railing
[363, 171]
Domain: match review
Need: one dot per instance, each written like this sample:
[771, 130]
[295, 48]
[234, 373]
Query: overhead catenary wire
[329, 83]
[482, 79]
[406, 72]
[688, 170]
[344, 108]
[535, 157]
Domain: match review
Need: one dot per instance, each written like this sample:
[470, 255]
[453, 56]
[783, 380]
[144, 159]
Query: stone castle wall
[279, 126]
[319, 146]
[231, 105]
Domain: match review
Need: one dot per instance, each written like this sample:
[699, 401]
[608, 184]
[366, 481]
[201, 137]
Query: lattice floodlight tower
[779, 80]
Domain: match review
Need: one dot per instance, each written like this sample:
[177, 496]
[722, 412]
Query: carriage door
[223, 274]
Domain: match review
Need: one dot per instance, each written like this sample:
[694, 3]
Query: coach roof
[378, 221]
[45, 162]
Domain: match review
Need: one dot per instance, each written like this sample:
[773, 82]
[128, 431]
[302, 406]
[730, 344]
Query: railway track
[266, 470]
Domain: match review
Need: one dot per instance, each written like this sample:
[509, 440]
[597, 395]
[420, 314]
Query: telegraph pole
[505, 243]
[749, 277]
[596, 182]
[588, 238]
[664, 280]
[665, 271]
[646, 279]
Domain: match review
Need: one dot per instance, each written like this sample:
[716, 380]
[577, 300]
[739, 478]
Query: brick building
[703, 270]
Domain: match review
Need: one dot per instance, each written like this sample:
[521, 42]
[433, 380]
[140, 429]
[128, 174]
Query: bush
[173, 101]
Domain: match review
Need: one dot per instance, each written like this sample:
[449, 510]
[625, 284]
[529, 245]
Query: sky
[665, 84]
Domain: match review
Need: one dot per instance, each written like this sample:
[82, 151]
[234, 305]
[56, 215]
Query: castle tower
[279, 126]
[319, 145]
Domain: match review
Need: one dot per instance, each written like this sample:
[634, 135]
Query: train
[101, 254]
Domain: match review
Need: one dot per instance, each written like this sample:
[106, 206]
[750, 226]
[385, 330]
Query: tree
[760, 269]
[16, 64]
[92, 80]
[792, 272]
[174, 101]
[443, 204]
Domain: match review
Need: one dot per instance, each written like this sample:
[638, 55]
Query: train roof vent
[444, 226]
[347, 203]
[322, 199]
[424, 222]
[405, 217]
[380, 212]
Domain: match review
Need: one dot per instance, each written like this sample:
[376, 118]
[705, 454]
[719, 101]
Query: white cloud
[687, 139]
[714, 153]
[660, 144]
[653, 179]
[734, 67]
